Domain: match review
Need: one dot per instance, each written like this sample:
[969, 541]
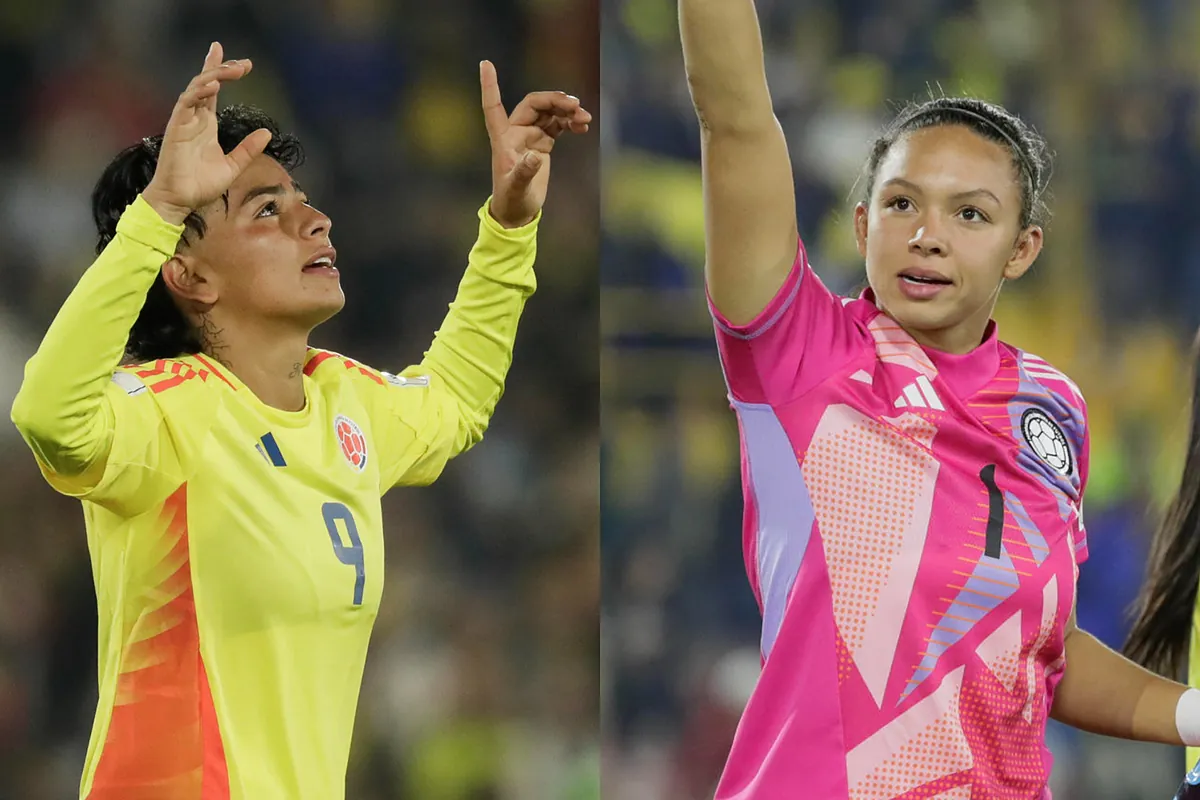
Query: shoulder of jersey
[326, 364]
[166, 374]
[1042, 372]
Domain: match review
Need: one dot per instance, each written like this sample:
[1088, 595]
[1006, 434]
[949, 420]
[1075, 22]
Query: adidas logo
[269, 449]
[919, 394]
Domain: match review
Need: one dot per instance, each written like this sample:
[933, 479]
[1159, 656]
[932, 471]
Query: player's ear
[1025, 252]
[185, 281]
[860, 228]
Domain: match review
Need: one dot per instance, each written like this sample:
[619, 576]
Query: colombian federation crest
[1047, 440]
[352, 442]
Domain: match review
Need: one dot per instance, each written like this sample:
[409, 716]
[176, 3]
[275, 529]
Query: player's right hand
[192, 168]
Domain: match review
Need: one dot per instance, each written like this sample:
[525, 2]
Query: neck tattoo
[211, 342]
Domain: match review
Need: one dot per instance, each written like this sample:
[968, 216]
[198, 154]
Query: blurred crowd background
[482, 678]
[1113, 301]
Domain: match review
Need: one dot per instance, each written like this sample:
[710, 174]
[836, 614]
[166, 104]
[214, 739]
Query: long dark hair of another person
[1161, 634]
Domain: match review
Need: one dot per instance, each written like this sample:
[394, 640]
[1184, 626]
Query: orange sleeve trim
[162, 386]
[165, 374]
[213, 369]
[349, 363]
[159, 368]
[317, 361]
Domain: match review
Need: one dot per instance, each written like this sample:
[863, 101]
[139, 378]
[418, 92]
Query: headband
[1020, 151]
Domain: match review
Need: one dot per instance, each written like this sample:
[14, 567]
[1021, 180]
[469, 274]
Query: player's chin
[317, 310]
[921, 315]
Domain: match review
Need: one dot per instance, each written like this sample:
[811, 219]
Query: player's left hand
[521, 145]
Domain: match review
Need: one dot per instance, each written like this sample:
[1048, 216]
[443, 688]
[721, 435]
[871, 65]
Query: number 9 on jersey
[352, 555]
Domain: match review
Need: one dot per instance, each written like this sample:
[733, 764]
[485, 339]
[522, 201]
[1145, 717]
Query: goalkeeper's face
[266, 255]
[942, 233]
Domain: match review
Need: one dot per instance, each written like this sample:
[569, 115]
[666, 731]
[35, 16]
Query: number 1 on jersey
[994, 536]
[351, 556]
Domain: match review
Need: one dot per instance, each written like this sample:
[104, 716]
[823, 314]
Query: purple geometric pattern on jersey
[1033, 537]
[1032, 393]
[990, 584]
[785, 511]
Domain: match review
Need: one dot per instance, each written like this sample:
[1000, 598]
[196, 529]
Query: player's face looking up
[255, 260]
[942, 231]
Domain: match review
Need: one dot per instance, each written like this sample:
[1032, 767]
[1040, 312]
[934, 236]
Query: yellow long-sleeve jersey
[237, 549]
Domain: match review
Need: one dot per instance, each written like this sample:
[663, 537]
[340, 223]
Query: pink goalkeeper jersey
[912, 533]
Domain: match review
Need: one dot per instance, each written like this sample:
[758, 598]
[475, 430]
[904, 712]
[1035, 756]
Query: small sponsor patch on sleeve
[132, 384]
[401, 380]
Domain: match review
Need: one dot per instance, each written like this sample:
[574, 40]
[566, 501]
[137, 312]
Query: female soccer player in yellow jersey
[231, 476]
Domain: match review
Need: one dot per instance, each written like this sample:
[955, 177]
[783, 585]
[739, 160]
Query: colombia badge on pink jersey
[351, 440]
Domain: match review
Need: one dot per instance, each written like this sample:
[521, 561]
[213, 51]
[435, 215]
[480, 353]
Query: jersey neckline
[277, 416]
[965, 373]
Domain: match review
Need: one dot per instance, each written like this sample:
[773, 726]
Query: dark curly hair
[161, 329]
[1031, 157]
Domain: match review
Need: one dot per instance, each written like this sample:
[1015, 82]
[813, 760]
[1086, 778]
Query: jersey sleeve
[440, 408]
[1074, 417]
[94, 434]
[1081, 540]
[797, 341]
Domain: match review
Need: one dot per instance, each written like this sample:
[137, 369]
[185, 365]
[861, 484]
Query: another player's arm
[1103, 692]
[749, 195]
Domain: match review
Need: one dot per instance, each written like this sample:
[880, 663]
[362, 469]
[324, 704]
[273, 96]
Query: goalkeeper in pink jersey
[230, 475]
[913, 485]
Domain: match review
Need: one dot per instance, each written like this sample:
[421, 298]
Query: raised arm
[61, 408]
[472, 351]
[749, 195]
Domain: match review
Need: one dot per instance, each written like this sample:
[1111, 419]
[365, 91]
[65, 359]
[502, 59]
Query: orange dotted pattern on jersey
[1016, 771]
[950, 787]
[1006, 666]
[934, 759]
[1034, 677]
[864, 482]
[844, 660]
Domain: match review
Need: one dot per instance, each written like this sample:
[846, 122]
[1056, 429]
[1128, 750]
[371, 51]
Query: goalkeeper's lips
[322, 263]
[916, 283]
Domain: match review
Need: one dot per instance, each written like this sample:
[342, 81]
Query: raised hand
[192, 168]
[521, 145]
